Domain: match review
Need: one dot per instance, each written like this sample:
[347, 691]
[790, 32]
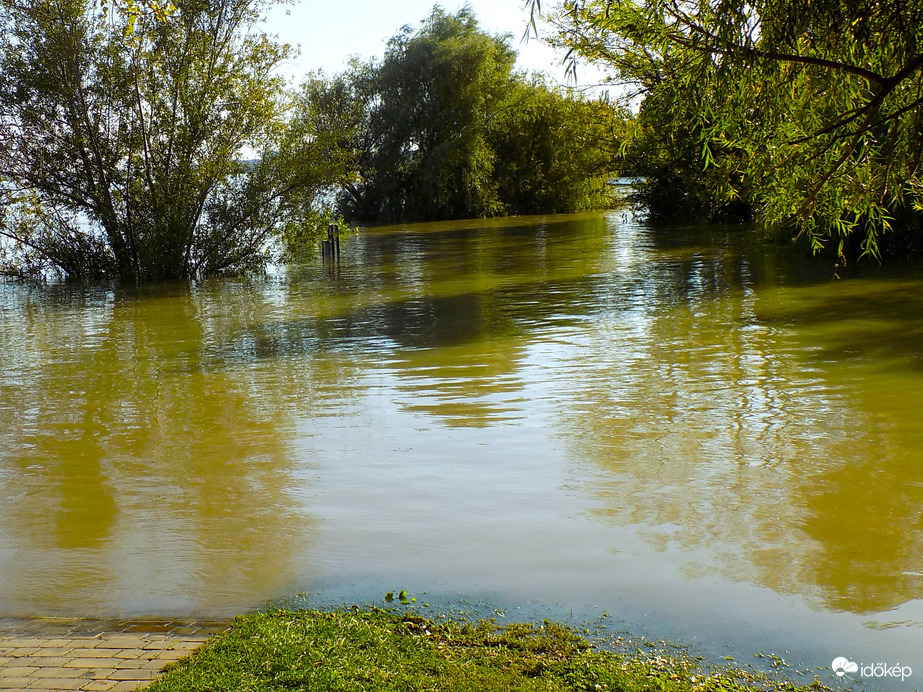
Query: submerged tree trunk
[122, 131]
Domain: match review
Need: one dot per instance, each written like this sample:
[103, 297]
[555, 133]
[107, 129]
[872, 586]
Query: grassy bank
[383, 650]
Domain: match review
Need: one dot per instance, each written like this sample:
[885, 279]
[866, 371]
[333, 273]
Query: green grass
[384, 650]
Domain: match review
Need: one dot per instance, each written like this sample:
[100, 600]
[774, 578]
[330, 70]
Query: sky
[330, 32]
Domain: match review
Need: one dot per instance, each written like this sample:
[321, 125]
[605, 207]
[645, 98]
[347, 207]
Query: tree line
[151, 139]
[148, 140]
[444, 127]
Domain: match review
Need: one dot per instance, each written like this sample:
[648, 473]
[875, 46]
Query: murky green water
[700, 437]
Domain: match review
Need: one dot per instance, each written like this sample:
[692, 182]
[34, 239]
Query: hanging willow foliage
[814, 108]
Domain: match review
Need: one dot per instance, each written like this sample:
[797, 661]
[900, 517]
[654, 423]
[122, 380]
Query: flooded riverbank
[696, 434]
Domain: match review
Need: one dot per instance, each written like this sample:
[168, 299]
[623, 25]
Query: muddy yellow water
[700, 435]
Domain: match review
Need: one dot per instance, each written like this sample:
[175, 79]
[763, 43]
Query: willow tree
[554, 151]
[814, 107]
[438, 89]
[137, 141]
[444, 127]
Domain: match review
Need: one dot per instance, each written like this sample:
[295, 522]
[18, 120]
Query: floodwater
[707, 440]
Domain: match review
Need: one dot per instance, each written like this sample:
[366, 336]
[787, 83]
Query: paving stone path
[94, 655]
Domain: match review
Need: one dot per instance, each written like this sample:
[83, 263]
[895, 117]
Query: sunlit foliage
[812, 111]
[140, 142]
[443, 127]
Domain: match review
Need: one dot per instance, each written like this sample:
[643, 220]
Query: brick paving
[94, 655]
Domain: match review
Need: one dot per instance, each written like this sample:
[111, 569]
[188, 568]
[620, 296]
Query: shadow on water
[432, 287]
[852, 319]
[134, 479]
[418, 323]
[768, 432]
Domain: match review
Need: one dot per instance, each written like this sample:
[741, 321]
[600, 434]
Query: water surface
[698, 435]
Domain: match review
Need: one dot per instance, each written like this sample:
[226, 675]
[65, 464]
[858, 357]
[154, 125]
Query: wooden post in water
[331, 247]
[333, 235]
